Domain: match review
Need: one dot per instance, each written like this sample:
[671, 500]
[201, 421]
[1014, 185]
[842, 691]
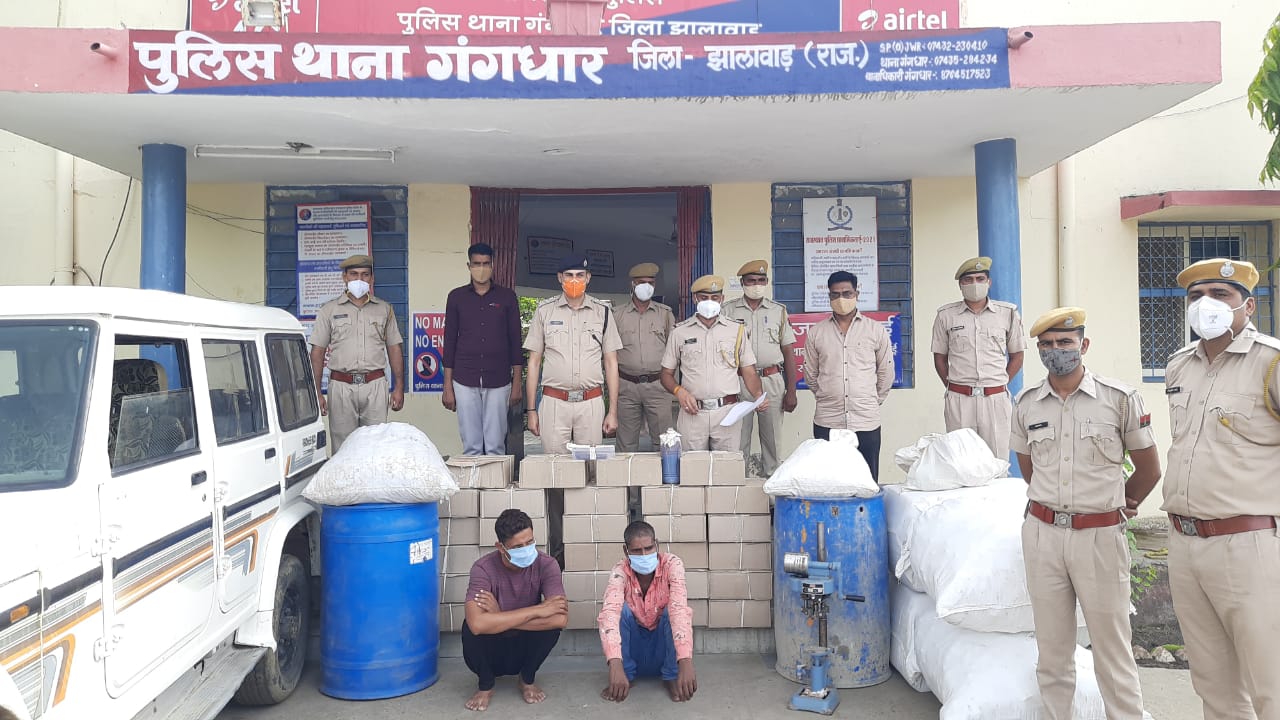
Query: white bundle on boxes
[552, 471]
[386, 463]
[482, 471]
[701, 468]
[629, 470]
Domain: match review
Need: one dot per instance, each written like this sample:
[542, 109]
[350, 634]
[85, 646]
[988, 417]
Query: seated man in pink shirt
[646, 626]
[515, 611]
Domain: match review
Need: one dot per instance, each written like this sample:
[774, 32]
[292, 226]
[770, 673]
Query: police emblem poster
[840, 234]
[427, 372]
[328, 233]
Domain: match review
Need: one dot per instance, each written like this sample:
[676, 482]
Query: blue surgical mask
[644, 564]
[522, 557]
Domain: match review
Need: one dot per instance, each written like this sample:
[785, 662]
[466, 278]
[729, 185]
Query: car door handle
[198, 478]
[270, 453]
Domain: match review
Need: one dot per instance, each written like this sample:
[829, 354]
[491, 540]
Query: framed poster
[841, 234]
[545, 254]
[600, 262]
[328, 233]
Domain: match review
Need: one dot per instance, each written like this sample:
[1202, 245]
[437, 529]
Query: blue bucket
[380, 586]
[858, 632]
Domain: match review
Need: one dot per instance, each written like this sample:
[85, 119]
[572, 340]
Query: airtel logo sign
[922, 15]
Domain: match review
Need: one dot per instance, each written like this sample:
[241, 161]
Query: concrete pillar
[164, 218]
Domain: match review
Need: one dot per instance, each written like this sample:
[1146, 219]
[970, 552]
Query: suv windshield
[44, 372]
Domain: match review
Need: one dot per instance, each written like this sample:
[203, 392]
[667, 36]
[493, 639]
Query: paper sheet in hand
[741, 409]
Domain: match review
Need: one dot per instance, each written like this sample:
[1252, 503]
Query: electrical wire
[116, 235]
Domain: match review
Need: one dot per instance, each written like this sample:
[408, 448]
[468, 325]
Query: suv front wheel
[277, 673]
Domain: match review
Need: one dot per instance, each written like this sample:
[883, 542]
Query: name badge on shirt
[690, 341]
[1038, 425]
[556, 322]
[958, 327]
[1173, 390]
[339, 317]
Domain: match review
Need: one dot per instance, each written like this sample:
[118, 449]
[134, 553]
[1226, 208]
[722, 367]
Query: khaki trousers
[703, 431]
[561, 422]
[641, 404]
[1225, 592]
[1064, 565]
[352, 406]
[990, 416]
[770, 421]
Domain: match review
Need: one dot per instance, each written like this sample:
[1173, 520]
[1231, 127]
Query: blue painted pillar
[999, 236]
[164, 218]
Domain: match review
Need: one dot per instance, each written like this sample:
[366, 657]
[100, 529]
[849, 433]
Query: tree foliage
[1264, 99]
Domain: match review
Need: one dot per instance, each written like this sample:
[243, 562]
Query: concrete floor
[743, 686]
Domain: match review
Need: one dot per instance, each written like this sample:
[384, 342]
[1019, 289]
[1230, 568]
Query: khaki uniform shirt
[978, 345]
[1077, 445]
[357, 336]
[706, 358]
[573, 342]
[1219, 470]
[767, 326]
[644, 336]
[850, 373]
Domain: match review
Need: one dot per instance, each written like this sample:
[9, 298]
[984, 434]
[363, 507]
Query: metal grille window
[1164, 249]
[390, 221]
[893, 210]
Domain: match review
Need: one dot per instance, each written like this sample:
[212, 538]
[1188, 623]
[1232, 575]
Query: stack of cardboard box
[592, 526]
[740, 535]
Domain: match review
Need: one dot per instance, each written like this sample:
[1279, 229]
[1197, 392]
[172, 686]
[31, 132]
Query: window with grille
[1164, 249]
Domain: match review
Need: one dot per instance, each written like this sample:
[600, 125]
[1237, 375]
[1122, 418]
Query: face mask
[753, 292]
[1060, 361]
[643, 564]
[482, 274]
[975, 292]
[844, 306]
[1211, 318]
[522, 557]
[643, 291]
[574, 287]
[708, 308]
[358, 288]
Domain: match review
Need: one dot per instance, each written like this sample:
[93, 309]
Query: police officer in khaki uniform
[1071, 433]
[709, 349]
[576, 334]
[977, 348]
[772, 340]
[644, 325]
[358, 330]
[1222, 494]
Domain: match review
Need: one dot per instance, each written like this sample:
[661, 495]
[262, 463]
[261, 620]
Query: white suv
[155, 548]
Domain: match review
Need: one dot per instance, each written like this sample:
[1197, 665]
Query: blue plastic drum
[857, 632]
[381, 600]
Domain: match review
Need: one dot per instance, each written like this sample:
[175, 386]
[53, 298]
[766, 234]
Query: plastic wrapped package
[387, 463]
[824, 468]
[957, 459]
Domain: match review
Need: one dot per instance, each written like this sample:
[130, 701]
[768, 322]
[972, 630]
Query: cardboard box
[604, 529]
[746, 499]
[552, 471]
[739, 528]
[695, 582]
[741, 556]
[673, 500]
[453, 588]
[451, 617]
[585, 585]
[629, 469]
[700, 468]
[482, 471]
[694, 555]
[463, 504]
[458, 559]
[583, 614]
[461, 531]
[739, 614]
[581, 557]
[595, 501]
[679, 528]
[740, 585]
[493, 502]
[699, 608]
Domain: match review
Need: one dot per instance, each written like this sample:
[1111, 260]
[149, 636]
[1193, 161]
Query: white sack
[957, 459]
[908, 606]
[822, 468]
[907, 457]
[387, 463]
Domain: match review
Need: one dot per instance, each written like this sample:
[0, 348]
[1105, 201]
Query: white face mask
[754, 292]
[708, 309]
[643, 291]
[975, 292]
[1211, 318]
[358, 288]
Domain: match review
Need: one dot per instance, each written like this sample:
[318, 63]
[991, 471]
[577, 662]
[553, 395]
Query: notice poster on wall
[428, 352]
[328, 233]
[840, 234]
[892, 321]
[545, 254]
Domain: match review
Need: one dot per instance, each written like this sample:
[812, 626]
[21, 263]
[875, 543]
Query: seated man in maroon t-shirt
[516, 609]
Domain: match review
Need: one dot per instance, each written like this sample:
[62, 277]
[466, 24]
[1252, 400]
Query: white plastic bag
[979, 676]
[907, 457]
[824, 468]
[387, 463]
[957, 459]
